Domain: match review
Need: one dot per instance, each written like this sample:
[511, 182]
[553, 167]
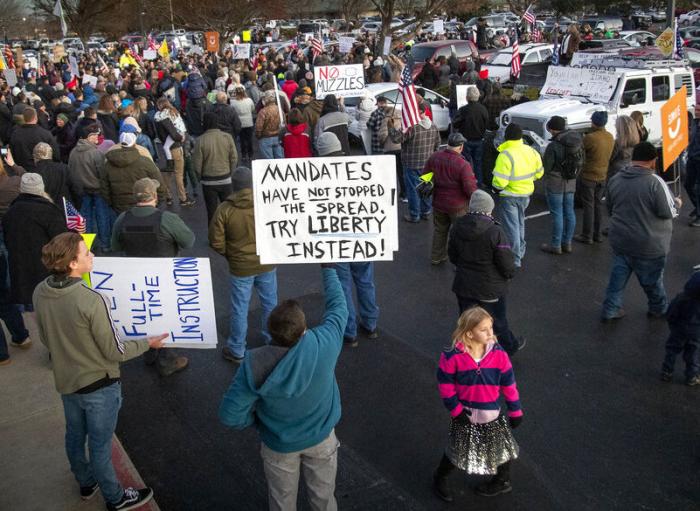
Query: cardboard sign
[674, 127]
[343, 81]
[246, 36]
[212, 41]
[58, 52]
[345, 44]
[151, 296]
[90, 80]
[240, 51]
[597, 85]
[461, 93]
[334, 209]
[665, 42]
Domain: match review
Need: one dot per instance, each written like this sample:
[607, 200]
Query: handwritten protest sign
[150, 54]
[90, 80]
[240, 51]
[151, 296]
[597, 85]
[439, 27]
[461, 94]
[346, 44]
[322, 210]
[343, 81]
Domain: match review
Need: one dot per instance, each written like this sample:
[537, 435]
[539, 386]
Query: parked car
[689, 18]
[465, 51]
[637, 37]
[688, 33]
[390, 90]
[605, 44]
[658, 15]
[534, 60]
[603, 23]
[641, 20]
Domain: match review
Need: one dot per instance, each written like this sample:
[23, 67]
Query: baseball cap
[146, 189]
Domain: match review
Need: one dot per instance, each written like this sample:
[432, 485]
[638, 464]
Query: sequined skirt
[481, 448]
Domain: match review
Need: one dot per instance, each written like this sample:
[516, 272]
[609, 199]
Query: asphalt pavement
[600, 430]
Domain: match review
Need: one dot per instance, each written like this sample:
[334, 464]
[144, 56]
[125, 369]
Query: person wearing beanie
[232, 234]
[563, 160]
[517, 168]
[453, 185]
[641, 209]
[327, 144]
[213, 159]
[64, 132]
[598, 146]
[30, 222]
[267, 128]
[334, 119]
[480, 250]
[146, 231]
[144, 145]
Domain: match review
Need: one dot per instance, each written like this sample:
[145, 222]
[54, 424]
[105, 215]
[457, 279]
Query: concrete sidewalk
[34, 473]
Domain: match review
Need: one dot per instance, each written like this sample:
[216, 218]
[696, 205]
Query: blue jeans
[99, 218]
[511, 213]
[362, 274]
[270, 148]
[497, 309]
[417, 205]
[93, 416]
[9, 312]
[475, 149]
[241, 290]
[689, 346]
[650, 274]
[561, 206]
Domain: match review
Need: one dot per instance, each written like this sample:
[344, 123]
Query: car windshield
[422, 53]
[502, 58]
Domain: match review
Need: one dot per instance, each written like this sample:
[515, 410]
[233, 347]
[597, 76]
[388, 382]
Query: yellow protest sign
[246, 36]
[665, 42]
[89, 239]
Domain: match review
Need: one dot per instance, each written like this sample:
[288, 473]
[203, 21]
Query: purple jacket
[453, 180]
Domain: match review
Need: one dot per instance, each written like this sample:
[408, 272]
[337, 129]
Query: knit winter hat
[242, 178]
[63, 117]
[130, 121]
[328, 143]
[32, 183]
[145, 189]
[481, 202]
[127, 139]
[599, 118]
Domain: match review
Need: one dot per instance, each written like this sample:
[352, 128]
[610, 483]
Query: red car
[465, 51]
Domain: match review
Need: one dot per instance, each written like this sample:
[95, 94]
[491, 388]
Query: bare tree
[82, 16]
[351, 9]
[11, 12]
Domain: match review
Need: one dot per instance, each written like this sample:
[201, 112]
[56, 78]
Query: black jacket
[23, 140]
[110, 126]
[6, 123]
[471, 121]
[29, 224]
[229, 121]
[480, 250]
[55, 176]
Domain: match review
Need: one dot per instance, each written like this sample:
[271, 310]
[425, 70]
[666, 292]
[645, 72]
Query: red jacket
[453, 181]
[289, 87]
[296, 142]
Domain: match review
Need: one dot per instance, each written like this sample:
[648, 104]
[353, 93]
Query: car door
[636, 96]
[660, 93]
[441, 114]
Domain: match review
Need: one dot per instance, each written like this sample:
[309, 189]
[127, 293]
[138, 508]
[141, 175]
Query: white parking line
[543, 213]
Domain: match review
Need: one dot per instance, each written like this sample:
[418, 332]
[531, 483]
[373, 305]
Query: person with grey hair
[471, 121]
[54, 174]
[226, 116]
[30, 223]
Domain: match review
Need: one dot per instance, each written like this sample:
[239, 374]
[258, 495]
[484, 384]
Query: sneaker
[438, 262]
[546, 247]
[692, 382]
[172, 366]
[88, 492]
[695, 223]
[609, 319]
[229, 355]
[583, 239]
[493, 488]
[350, 342]
[566, 248]
[188, 202]
[666, 376]
[132, 499]
[410, 219]
[441, 488]
[370, 334]
[25, 344]
[5, 361]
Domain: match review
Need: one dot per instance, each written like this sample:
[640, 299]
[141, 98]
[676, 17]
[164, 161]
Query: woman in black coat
[30, 223]
[108, 118]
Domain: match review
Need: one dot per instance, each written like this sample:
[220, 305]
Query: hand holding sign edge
[157, 341]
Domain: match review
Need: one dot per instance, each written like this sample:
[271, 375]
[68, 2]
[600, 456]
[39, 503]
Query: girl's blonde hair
[627, 132]
[467, 322]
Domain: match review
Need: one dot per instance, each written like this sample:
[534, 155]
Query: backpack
[196, 87]
[572, 164]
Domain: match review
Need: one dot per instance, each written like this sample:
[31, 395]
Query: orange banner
[674, 127]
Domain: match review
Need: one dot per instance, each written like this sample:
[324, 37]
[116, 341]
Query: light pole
[172, 23]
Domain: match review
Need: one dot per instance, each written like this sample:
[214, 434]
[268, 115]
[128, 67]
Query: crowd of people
[121, 151]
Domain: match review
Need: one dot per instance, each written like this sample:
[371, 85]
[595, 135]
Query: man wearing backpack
[563, 162]
[196, 102]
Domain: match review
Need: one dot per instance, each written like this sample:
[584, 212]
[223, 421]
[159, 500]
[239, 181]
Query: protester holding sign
[75, 325]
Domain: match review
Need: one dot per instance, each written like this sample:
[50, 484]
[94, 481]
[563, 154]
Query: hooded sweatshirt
[75, 325]
[296, 141]
[85, 165]
[123, 168]
[683, 314]
[641, 210]
[553, 159]
[295, 404]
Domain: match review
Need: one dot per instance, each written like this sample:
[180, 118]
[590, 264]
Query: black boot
[441, 485]
[500, 483]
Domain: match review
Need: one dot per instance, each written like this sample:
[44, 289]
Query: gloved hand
[515, 421]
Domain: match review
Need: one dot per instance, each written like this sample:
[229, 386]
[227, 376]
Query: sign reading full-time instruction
[322, 210]
[151, 296]
[343, 81]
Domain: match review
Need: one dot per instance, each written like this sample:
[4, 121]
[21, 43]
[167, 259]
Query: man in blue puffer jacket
[289, 391]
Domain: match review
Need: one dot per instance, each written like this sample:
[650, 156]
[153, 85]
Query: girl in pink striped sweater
[471, 376]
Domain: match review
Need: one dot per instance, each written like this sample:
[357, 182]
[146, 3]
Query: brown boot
[172, 365]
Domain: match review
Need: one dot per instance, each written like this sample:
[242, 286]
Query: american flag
[152, 43]
[410, 115]
[536, 35]
[74, 220]
[678, 46]
[316, 46]
[515, 62]
[529, 16]
[9, 58]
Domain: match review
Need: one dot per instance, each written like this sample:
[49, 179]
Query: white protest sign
[343, 81]
[151, 296]
[345, 44]
[308, 35]
[585, 59]
[322, 210]
[240, 51]
[461, 93]
[150, 54]
[90, 80]
[439, 27]
[10, 77]
[596, 85]
[387, 46]
[74, 69]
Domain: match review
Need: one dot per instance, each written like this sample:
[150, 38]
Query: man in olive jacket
[232, 234]
[213, 159]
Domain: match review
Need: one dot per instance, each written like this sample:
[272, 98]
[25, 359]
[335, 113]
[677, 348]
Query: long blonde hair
[627, 132]
[467, 322]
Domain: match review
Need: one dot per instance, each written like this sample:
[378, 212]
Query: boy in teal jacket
[289, 391]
